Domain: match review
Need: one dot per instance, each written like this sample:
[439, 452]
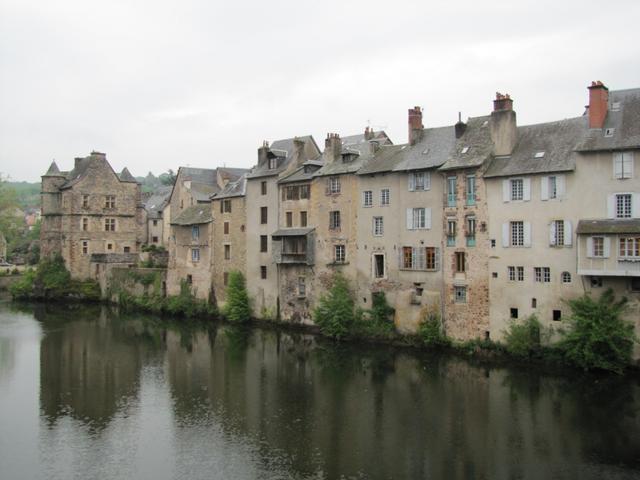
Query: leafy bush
[186, 303]
[522, 339]
[23, 288]
[376, 322]
[335, 311]
[237, 308]
[598, 338]
[431, 332]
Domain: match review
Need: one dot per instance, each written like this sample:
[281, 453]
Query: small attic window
[609, 132]
[425, 151]
[539, 155]
[465, 150]
[615, 107]
[485, 123]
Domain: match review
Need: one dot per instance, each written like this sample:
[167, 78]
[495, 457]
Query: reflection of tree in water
[236, 341]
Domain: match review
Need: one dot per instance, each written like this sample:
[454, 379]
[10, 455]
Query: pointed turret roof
[53, 170]
[125, 176]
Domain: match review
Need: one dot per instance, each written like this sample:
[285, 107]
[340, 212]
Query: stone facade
[90, 210]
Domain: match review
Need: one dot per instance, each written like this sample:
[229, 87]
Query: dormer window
[539, 155]
[273, 163]
[465, 150]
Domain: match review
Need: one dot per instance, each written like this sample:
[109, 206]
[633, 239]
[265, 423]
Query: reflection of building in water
[89, 367]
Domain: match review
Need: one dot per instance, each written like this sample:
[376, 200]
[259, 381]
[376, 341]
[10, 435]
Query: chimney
[598, 104]
[76, 161]
[368, 133]
[332, 147]
[460, 126]
[298, 152]
[504, 129]
[263, 153]
[415, 125]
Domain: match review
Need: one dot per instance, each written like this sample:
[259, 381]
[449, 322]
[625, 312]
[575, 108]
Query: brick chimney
[368, 133]
[503, 126]
[598, 104]
[332, 147]
[415, 125]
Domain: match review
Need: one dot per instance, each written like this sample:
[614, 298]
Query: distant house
[155, 205]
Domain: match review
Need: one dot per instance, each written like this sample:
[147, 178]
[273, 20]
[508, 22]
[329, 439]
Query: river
[86, 392]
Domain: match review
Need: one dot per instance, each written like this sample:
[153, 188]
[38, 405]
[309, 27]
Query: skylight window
[609, 132]
[615, 107]
[539, 155]
[465, 150]
[486, 122]
[426, 151]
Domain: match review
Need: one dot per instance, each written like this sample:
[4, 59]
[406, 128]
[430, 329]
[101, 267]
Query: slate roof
[195, 215]
[53, 171]
[477, 138]
[380, 136]
[202, 192]
[204, 181]
[340, 167]
[237, 188]
[556, 139]
[125, 176]
[155, 204]
[292, 232]
[631, 225]
[625, 122]
[303, 173]
[283, 149]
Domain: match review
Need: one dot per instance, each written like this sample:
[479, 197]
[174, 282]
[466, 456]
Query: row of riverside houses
[483, 221]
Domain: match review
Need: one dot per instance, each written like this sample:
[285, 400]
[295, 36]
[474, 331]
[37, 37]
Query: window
[460, 262]
[154, 239]
[126, 249]
[623, 205]
[623, 165]
[303, 219]
[596, 282]
[225, 227]
[302, 287]
[333, 185]
[378, 226]
[512, 273]
[517, 234]
[520, 274]
[85, 201]
[195, 232]
[534, 303]
[263, 187]
[110, 201]
[419, 181]
[558, 232]
[451, 191]
[195, 254]
[273, 163]
[334, 220]
[189, 279]
[542, 274]
[226, 206]
[557, 315]
[85, 247]
[227, 252]
[634, 284]
[291, 193]
[155, 223]
[289, 219]
[263, 243]
[629, 247]
[471, 189]
[263, 272]
[513, 313]
[566, 277]
[367, 198]
[460, 294]
[339, 253]
[418, 218]
[85, 224]
[419, 258]
[109, 246]
[263, 215]
[225, 278]
[304, 191]
[451, 233]
[553, 187]
[378, 265]
[385, 197]
[109, 224]
[471, 231]
[517, 189]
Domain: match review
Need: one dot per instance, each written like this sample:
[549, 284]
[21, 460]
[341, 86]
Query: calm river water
[86, 393]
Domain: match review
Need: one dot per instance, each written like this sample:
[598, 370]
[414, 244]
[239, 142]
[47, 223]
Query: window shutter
[505, 234]
[427, 180]
[606, 244]
[437, 259]
[552, 233]
[628, 167]
[412, 182]
[589, 247]
[427, 218]
[611, 206]
[527, 234]
[409, 218]
[506, 194]
[568, 234]
[544, 188]
[617, 165]
[526, 189]
[561, 186]
[635, 205]
[327, 188]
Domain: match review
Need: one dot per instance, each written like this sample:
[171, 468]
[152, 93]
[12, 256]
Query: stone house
[399, 224]
[263, 200]
[90, 210]
[155, 206]
[229, 213]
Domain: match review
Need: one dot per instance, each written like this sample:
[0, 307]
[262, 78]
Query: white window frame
[419, 181]
[385, 197]
[195, 232]
[339, 253]
[460, 294]
[623, 165]
[516, 233]
[195, 255]
[621, 210]
[367, 198]
[378, 226]
[517, 189]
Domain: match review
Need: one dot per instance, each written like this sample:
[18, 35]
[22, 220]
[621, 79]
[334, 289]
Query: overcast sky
[163, 83]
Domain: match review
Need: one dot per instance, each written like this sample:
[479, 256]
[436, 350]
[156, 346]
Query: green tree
[522, 339]
[237, 308]
[168, 178]
[598, 337]
[335, 311]
[8, 203]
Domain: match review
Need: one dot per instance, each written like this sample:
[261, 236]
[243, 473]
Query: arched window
[566, 277]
